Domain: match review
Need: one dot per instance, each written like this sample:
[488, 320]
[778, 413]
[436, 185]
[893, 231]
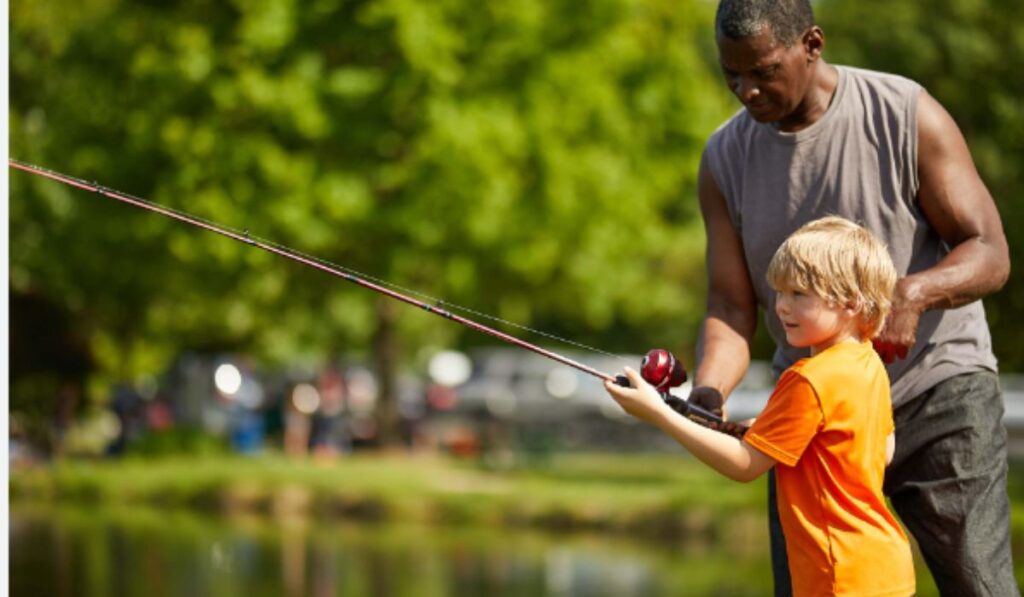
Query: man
[813, 140]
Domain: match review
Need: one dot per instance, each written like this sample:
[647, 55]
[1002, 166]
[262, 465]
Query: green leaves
[527, 159]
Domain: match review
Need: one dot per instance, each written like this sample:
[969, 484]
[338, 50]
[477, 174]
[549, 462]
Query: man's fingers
[889, 351]
[884, 350]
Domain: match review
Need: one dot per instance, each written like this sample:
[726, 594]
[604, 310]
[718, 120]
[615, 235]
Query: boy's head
[842, 263]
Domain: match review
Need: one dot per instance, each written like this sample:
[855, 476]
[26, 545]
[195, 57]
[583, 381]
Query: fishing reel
[662, 369]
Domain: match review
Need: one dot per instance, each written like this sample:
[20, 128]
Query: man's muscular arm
[723, 351]
[956, 203]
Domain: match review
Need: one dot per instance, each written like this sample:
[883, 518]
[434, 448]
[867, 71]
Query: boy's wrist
[667, 418]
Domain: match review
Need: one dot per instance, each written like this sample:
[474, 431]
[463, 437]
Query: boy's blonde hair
[840, 262]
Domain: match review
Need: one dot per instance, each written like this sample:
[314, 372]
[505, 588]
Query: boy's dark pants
[947, 482]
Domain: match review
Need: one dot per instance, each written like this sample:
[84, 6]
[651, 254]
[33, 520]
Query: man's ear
[813, 41]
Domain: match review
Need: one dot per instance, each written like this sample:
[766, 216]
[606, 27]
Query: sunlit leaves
[527, 159]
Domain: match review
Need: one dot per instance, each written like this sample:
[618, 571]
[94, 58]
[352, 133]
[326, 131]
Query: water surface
[86, 552]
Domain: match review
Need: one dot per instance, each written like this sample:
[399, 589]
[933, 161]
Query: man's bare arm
[723, 351]
[956, 203]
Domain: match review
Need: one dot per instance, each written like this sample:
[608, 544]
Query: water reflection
[72, 552]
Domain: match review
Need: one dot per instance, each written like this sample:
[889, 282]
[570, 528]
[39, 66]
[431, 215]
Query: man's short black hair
[788, 19]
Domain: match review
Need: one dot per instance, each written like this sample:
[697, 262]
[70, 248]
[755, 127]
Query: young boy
[827, 428]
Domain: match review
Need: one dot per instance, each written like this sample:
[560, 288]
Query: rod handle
[683, 407]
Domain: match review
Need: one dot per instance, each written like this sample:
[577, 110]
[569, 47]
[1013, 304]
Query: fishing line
[658, 367]
[285, 250]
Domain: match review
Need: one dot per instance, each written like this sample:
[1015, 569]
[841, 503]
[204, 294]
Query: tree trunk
[385, 356]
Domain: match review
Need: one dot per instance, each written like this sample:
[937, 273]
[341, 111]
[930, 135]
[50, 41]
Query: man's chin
[764, 116]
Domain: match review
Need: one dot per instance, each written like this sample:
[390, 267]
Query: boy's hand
[640, 399]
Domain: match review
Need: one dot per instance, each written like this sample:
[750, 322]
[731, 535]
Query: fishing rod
[659, 367]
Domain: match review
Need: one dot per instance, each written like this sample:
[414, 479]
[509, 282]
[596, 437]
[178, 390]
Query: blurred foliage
[531, 160]
[526, 159]
[613, 492]
[179, 441]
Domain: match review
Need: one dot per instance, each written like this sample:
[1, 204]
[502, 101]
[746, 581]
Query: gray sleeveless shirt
[858, 161]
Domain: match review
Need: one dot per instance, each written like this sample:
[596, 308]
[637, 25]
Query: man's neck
[819, 97]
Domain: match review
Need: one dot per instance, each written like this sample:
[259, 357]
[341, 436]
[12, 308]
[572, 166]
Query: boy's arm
[890, 448]
[728, 455]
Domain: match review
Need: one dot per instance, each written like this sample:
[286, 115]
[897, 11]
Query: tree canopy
[533, 160]
[525, 159]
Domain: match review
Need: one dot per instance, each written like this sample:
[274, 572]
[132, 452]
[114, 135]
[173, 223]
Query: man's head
[787, 19]
[768, 50]
[841, 262]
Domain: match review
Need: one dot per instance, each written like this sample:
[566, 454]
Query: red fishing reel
[661, 369]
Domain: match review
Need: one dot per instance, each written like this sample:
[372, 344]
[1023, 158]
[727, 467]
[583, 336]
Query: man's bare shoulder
[733, 128]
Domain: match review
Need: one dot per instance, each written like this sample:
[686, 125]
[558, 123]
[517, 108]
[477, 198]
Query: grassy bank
[666, 495]
[653, 495]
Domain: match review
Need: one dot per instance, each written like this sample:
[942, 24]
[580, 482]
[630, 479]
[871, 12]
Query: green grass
[651, 494]
[654, 494]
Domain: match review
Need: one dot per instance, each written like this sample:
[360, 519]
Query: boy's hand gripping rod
[659, 367]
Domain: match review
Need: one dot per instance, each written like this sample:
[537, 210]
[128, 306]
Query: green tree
[529, 159]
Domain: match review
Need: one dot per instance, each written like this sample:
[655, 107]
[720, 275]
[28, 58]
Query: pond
[83, 552]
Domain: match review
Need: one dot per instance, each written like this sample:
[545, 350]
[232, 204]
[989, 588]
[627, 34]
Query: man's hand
[709, 399]
[900, 331]
[712, 401]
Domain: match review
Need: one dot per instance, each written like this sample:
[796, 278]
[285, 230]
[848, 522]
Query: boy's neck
[847, 339]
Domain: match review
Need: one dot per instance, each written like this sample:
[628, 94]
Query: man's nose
[746, 89]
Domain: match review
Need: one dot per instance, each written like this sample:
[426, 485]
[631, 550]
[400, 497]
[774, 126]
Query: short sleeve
[792, 417]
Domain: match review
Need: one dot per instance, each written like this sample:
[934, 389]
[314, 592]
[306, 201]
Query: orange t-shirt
[826, 425]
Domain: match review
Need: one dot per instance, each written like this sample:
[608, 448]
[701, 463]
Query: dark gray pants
[947, 482]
